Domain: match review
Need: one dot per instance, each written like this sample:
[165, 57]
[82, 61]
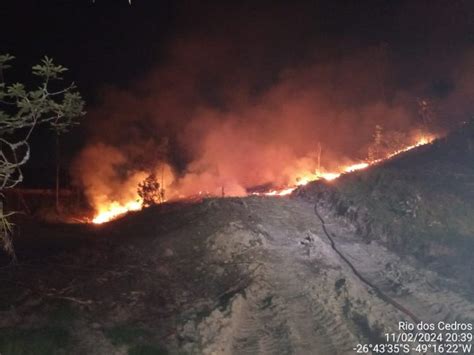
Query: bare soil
[255, 275]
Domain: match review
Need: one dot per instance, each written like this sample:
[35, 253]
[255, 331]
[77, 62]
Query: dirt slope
[224, 276]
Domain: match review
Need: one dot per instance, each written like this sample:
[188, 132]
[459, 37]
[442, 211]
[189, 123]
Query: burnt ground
[253, 275]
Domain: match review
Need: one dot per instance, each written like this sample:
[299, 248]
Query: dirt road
[303, 298]
[256, 275]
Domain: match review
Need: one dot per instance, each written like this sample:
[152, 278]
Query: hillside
[420, 203]
[334, 265]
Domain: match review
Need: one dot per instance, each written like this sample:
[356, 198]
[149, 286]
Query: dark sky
[112, 44]
[102, 42]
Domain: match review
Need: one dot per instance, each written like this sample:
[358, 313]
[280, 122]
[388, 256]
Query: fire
[329, 176]
[355, 167]
[110, 211]
[114, 210]
[280, 192]
[112, 201]
[421, 141]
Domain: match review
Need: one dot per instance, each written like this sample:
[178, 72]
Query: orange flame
[329, 176]
[113, 210]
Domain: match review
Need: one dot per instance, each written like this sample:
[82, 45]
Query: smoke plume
[249, 104]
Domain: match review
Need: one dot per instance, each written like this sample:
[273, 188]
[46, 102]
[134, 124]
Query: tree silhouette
[21, 111]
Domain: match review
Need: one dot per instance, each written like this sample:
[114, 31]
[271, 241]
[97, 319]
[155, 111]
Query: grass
[414, 207]
[34, 341]
[126, 335]
[420, 203]
[423, 196]
[48, 340]
[62, 314]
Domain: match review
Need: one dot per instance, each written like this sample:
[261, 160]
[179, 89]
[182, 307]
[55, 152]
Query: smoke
[235, 109]
[105, 176]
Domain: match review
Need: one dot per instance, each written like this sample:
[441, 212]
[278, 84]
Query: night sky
[111, 45]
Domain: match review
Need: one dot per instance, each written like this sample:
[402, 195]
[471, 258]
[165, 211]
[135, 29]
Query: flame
[283, 192]
[421, 141]
[355, 167]
[114, 204]
[329, 176]
[113, 210]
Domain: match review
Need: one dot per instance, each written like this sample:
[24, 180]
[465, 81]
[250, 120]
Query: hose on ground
[376, 290]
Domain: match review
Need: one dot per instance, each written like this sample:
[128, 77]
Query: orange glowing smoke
[328, 176]
[113, 204]
[112, 210]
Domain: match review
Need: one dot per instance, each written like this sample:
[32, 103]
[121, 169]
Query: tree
[149, 190]
[21, 111]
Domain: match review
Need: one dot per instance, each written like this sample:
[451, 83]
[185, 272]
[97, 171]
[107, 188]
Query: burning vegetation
[219, 115]
[149, 191]
[235, 137]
